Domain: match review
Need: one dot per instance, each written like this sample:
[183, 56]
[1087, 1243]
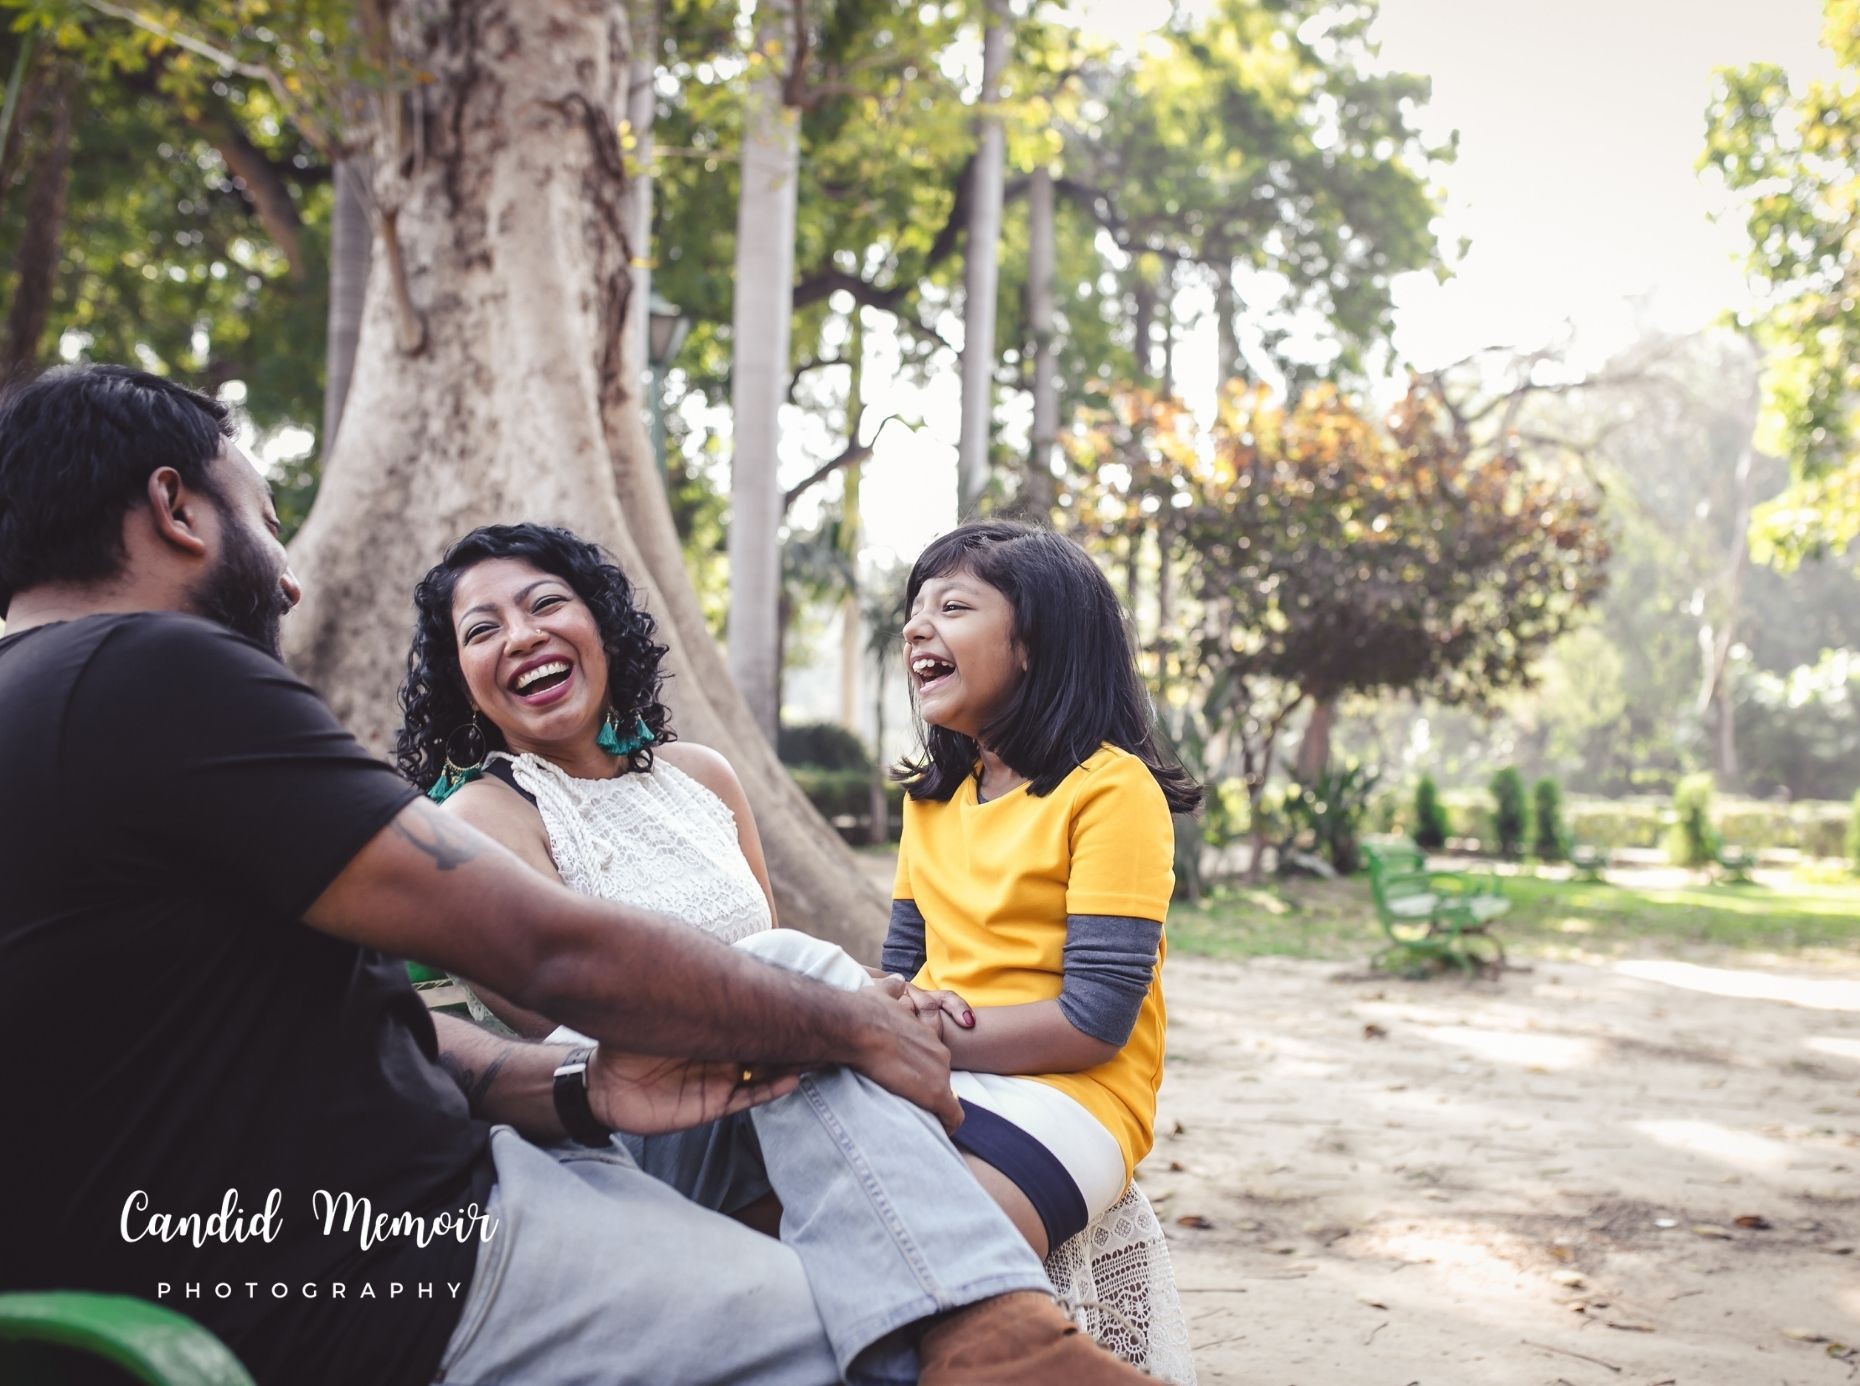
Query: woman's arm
[711, 770]
[500, 813]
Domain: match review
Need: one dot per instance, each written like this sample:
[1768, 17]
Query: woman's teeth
[540, 672]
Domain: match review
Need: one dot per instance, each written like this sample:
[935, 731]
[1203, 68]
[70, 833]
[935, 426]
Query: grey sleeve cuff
[904, 940]
[1110, 960]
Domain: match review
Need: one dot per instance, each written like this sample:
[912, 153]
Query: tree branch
[852, 453]
[307, 124]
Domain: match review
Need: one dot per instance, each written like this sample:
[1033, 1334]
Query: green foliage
[1793, 155]
[1550, 838]
[1549, 918]
[1430, 816]
[1692, 840]
[1510, 813]
[1330, 809]
[1853, 835]
[1800, 730]
[826, 745]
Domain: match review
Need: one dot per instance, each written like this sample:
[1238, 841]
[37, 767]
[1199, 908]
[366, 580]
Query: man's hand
[648, 1096]
[902, 1054]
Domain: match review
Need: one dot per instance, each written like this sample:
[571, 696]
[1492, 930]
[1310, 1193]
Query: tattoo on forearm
[438, 839]
[471, 1082]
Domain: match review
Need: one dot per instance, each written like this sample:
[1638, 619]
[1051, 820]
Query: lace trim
[1115, 1279]
[660, 841]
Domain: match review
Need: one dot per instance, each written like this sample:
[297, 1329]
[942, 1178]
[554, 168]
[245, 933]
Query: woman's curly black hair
[432, 700]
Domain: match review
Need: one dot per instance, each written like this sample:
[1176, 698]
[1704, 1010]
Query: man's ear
[175, 509]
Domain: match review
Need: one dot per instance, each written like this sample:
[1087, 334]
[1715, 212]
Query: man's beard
[242, 592]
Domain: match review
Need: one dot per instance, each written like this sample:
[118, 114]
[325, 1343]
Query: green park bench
[1433, 916]
[1588, 861]
[66, 1337]
[1734, 863]
[437, 988]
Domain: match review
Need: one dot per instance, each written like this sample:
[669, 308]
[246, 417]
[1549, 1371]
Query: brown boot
[1017, 1340]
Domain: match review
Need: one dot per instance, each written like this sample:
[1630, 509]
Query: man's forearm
[505, 1080]
[430, 887]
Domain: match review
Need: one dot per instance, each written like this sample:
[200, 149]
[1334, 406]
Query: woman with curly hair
[532, 710]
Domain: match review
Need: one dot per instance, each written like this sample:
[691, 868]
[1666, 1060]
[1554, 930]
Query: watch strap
[571, 1100]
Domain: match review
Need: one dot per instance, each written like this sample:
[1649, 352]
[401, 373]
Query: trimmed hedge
[1813, 827]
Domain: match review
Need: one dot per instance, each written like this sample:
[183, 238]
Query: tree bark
[763, 314]
[1041, 259]
[981, 267]
[350, 244]
[1143, 316]
[642, 110]
[35, 262]
[1314, 747]
[264, 188]
[1226, 343]
[524, 403]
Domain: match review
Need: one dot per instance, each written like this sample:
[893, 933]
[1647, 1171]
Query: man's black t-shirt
[171, 801]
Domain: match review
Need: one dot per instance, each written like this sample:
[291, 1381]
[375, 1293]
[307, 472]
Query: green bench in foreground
[51, 1339]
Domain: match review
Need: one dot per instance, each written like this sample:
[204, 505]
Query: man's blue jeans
[610, 1266]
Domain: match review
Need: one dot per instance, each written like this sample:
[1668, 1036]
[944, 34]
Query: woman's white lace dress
[663, 842]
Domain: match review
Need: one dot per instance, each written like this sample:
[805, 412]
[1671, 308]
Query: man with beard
[220, 1090]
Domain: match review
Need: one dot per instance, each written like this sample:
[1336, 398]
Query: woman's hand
[647, 1096]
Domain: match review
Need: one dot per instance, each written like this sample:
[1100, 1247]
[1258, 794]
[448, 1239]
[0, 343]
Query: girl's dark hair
[1081, 687]
[432, 700]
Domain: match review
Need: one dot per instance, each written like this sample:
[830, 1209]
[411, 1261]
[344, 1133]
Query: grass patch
[1548, 918]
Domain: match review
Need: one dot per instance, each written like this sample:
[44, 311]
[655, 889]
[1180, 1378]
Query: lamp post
[666, 327]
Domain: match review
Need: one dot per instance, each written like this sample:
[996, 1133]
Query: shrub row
[1813, 827]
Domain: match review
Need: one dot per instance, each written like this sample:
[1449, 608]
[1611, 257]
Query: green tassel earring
[465, 766]
[614, 744]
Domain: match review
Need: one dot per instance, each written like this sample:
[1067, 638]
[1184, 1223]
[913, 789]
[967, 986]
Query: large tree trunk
[350, 245]
[35, 261]
[1041, 259]
[764, 311]
[642, 111]
[523, 402]
[981, 266]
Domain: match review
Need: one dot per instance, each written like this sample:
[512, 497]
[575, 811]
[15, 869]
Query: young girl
[1036, 868]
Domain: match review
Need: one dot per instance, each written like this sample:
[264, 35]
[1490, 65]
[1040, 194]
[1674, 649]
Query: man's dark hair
[77, 446]
[1081, 688]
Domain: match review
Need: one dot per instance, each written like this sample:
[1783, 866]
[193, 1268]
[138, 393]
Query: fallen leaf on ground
[1629, 1325]
[1563, 1253]
[1194, 1220]
[1178, 1129]
[1371, 1301]
[1374, 1031]
[1710, 1229]
[1805, 1335]
[1754, 1221]
[1176, 1167]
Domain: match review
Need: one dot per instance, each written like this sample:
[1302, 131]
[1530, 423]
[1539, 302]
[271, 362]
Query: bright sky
[1580, 124]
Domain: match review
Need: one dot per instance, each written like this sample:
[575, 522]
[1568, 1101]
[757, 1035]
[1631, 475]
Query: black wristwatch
[571, 1100]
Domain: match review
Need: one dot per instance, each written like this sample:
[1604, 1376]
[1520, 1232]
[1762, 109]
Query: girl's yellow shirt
[995, 882]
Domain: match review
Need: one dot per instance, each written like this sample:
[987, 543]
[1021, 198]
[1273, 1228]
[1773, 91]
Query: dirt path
[1539, 1180]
